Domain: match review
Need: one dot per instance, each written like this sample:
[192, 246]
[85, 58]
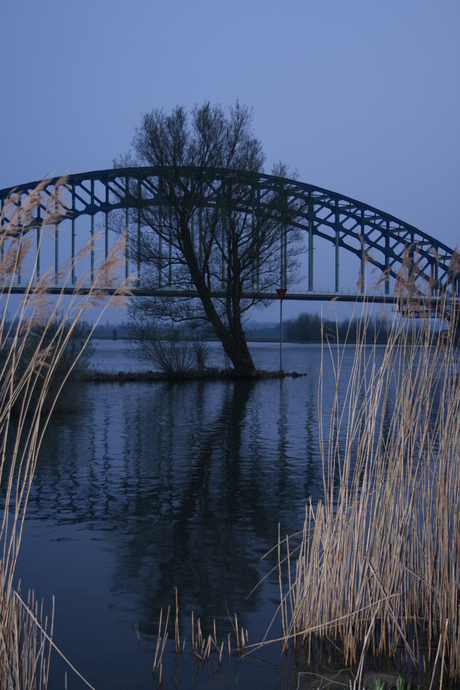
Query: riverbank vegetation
[377, 573]
[71, 339]
[41, 345]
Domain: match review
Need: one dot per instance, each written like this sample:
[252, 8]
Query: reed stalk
[25, 644]
[201, 645]
[379, 561]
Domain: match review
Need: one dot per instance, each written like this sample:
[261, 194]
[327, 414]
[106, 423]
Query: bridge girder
[372, 235]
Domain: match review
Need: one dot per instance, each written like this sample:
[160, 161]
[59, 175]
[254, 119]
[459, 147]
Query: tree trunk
[233, 341]
[241, 359]
[232, 338]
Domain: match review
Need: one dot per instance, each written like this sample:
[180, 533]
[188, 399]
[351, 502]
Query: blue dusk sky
[361, 97]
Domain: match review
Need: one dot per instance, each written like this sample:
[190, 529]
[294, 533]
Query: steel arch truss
[374, 236]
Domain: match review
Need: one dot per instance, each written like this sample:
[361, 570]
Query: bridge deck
[300, 295]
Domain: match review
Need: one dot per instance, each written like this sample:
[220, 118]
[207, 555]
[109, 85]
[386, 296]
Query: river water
[148, 487]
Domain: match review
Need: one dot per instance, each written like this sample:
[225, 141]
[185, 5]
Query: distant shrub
[173, 351]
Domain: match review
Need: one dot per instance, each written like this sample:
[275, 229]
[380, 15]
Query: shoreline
[213, 374]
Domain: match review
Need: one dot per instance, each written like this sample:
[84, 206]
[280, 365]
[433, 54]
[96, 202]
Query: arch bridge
[377, 241]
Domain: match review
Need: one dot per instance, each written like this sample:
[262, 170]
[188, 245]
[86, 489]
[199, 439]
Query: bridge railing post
[387, 258]
[37, 267]
[56, 242]
[73, 235]
[310, 242]
[363, 255]
[106, 238]
[139, 233]
[127, 233]
[92, 233]
[337, 237]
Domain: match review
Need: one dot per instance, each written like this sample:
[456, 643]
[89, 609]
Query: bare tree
[205, 230]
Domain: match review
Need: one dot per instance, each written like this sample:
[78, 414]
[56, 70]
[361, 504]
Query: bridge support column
[363, 271]
[363, 255]
[310, 256]
[337, 287]
[170, 248]
[92, 233]
[127, 231]
[139, 192]
[18, 204]
[73, 234]
[92, 248]
[107, 199]
[387, 259]
[127, 246]
[283, 276]
[37, 268]
[160, 244]
[223, 262]
[337, 237]
[56, 244]
[255, 277]
[139, 248]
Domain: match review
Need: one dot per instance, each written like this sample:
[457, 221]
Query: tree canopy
[201, 226]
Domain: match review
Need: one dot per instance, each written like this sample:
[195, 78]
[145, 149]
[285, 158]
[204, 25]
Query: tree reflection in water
[189, 482]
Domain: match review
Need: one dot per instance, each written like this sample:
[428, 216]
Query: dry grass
[24, 644]
[379, 564]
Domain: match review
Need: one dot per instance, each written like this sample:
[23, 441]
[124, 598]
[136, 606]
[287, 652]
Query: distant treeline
[307, 328]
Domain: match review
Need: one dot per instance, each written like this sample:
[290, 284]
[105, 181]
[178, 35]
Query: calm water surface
[149, 487]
